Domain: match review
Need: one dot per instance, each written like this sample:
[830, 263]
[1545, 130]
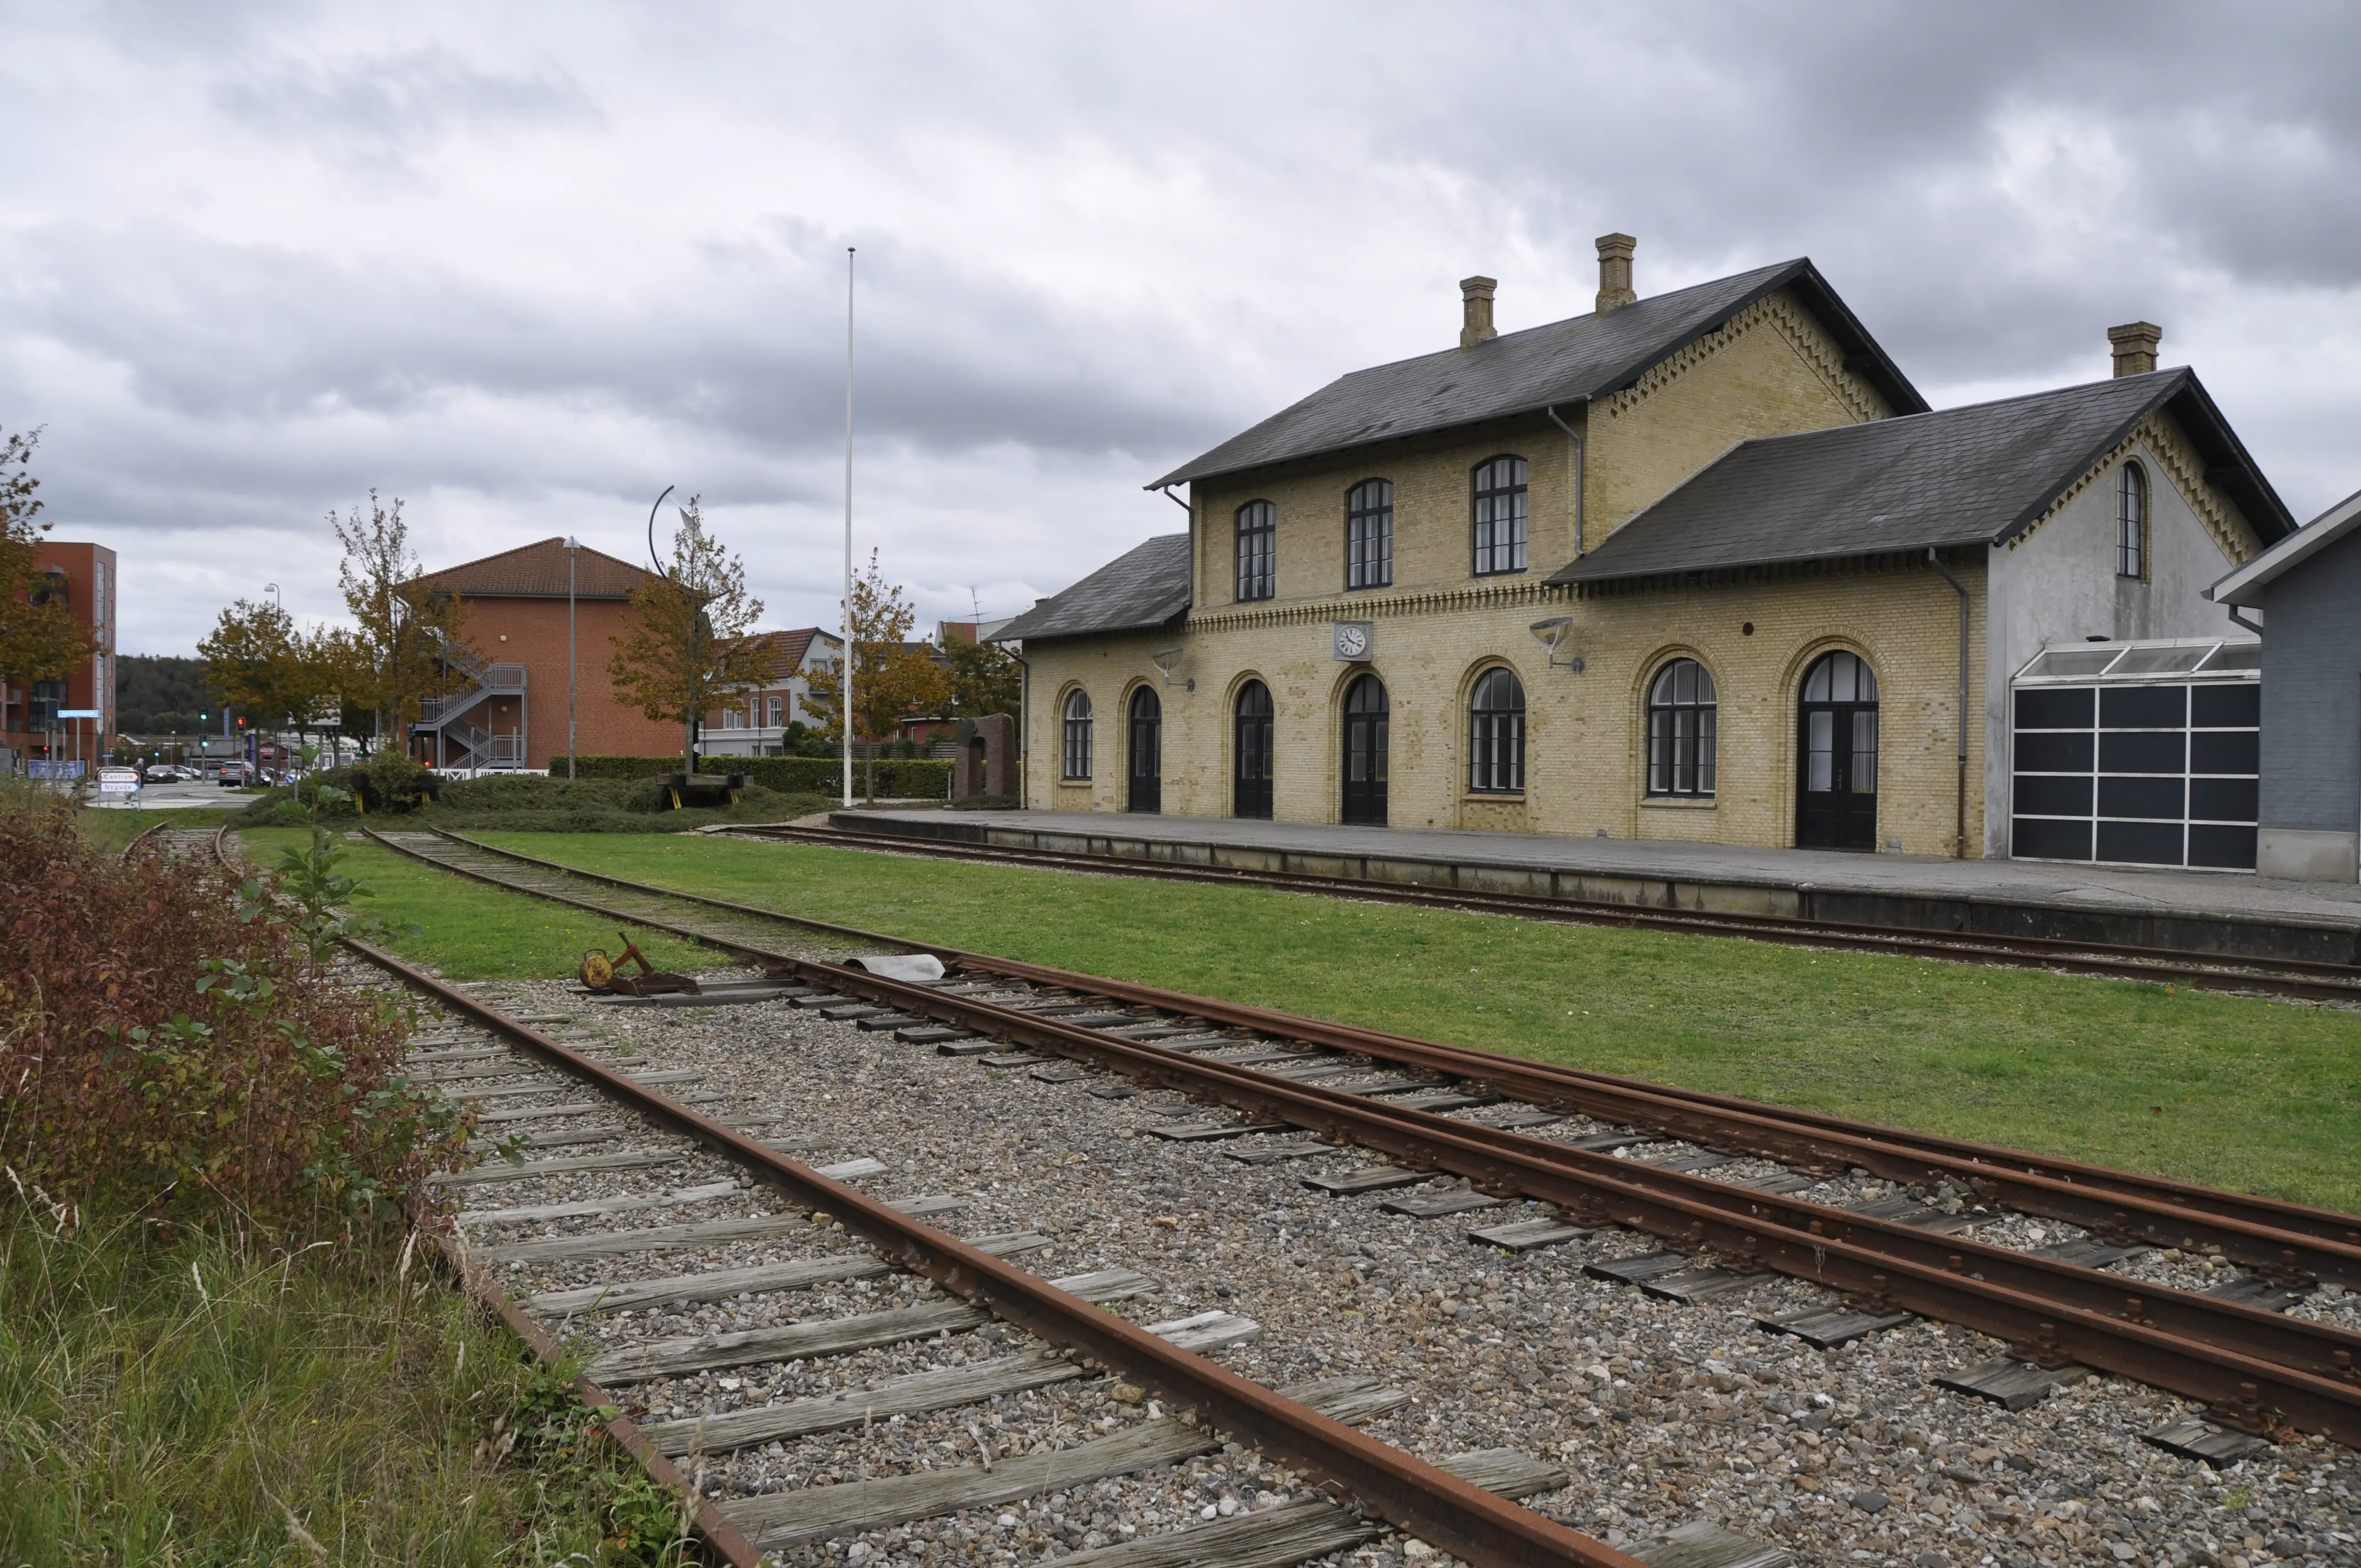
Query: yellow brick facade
[1585, 740]
[1769, 370]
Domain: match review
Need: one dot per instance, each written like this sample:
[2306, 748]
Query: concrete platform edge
[2229, 934]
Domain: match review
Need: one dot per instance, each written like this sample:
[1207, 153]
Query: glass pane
[1662, 692]
[1864, 752]
[1660, 721]
[1378, 746]
[1842, 667]
[1684, 681]
[1815, 683]
[2235, 656]
[2152, 660]
[1867, 689]
[1683, 738]
[1705, 692]
[1704, 751]
[1819, 770]
[2073, 662]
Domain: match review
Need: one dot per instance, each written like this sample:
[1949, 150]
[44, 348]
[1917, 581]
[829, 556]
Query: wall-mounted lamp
[1549, 634]
[1166, 661]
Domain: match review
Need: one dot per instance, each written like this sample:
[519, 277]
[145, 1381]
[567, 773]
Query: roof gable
[1525, 372]
[1974, 475]
[2246, 585]
[539, 570]
[1143, 587]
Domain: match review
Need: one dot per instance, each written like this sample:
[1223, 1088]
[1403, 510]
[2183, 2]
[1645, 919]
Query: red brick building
[85, 576]
[514, 714]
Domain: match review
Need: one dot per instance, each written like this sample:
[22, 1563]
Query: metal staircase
[459, 741]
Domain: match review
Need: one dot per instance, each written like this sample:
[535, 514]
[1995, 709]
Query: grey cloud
[375, 110]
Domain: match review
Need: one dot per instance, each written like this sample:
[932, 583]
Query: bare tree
[399, 656]
[686, 642]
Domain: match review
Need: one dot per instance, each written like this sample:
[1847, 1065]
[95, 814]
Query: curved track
[2311, 980]
[2258, 1369]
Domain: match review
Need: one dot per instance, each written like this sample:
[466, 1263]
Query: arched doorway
[1836, 775]
[1366, 715]
[1250, 785]
[1147, 753]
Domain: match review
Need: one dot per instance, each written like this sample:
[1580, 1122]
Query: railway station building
[1702, 566]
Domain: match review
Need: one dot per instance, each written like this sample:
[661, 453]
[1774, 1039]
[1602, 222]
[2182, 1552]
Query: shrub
[622, 767]
[168, 1046]
[909, 778]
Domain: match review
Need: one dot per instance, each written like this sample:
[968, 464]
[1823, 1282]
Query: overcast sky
[525, 266]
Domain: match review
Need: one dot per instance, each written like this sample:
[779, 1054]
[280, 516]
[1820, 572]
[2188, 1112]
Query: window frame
[1370, 535]
[1496, 761]
[1673, 773]
[1486, 548]
[1256, 552]
[2133, 510]
[774, 711]
[1074, 737]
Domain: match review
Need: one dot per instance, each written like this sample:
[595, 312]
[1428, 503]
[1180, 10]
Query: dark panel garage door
[2142, 773]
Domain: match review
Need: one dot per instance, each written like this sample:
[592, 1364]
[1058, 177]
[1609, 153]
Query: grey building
[2306, 593]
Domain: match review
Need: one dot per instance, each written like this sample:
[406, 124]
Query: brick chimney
[1615, 271]
[1476, 310]
[2135, 343]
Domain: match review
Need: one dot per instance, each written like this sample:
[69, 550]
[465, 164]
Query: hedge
[908, 778]
[589, 767]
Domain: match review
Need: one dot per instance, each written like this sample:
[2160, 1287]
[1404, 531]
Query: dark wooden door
[1836, 753]
[1366, 715]
[1146, 750]
[1250, 787]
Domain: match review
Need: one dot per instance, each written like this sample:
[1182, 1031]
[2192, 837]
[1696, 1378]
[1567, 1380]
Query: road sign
[79, 713]
[118, 780]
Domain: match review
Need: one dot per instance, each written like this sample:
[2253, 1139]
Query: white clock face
[1352, 642]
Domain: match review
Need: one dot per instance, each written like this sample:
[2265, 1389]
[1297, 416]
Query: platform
[2213, 912]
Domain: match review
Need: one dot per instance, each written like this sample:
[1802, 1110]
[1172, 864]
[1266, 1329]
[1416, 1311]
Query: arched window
[1250, 790]
[1681, 709]
[2131, 521]
[1369, 534]
[1257, 552]
[1077, 748]
[1836, 747]
[1496, 734]
[1499, 516]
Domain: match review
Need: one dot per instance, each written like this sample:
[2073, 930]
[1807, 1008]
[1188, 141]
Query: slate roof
[538, 571]
[1969, 476]
[1524, 372]
[1142, 588]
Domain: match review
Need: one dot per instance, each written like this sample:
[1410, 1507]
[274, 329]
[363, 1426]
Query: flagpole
[845, 688]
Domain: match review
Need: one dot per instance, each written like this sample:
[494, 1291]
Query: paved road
[174, 796]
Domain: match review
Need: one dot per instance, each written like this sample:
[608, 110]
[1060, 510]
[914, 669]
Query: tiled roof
[1145, 587]
[1967, 475]
[788, 648]
[538, 571]
[1524, 372]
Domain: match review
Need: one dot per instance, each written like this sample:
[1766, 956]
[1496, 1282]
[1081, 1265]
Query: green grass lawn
[468, 931]
[2249, 1094]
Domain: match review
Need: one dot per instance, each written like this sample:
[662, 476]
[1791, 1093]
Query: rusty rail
[2259, 1371]
[2313, 980]
[2261, 1233]
[1430, 1503]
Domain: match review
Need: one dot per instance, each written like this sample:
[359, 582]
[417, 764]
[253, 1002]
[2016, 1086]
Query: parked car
[236, 775]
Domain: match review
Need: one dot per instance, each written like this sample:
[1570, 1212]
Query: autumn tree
[409, 644]
[891, 677]
[256, 659]
[983, 678]
[684, 644]
[39, 638]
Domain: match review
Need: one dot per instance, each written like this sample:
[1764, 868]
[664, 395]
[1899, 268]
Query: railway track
[1735, 1192]
[946, 1285]
[2306, 979]
[207, 844]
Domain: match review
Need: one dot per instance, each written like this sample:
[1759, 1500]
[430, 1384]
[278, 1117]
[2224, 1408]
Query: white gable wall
[2060, 585]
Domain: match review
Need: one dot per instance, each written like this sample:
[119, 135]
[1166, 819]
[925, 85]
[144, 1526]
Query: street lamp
[688, 748]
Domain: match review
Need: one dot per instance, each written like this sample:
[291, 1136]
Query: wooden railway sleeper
[1965, 1160]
